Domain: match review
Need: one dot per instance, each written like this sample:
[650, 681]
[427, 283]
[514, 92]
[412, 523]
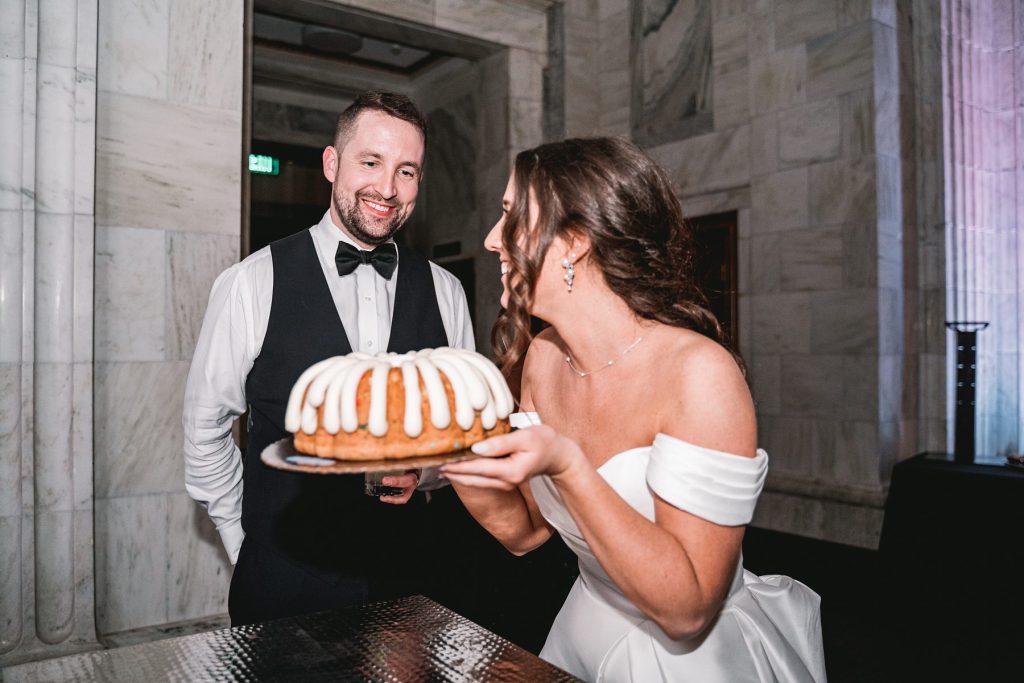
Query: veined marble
[54, 288]
[55, 575]
[131, 278]
[672, 85]
[845, 321]
[133, 47]
[138, 428]
[10, 438]
[805, 391]
[55, 130]
[420, 11]
[147, 178]
[12, 80]
[707, 163]
[779, 201]
[812, 260]
[199, 572]
[11, 587]
[840, 62]
[195, 260]
[779, 323]
[810, 132]
[503, 22]
[11, 282]
[796, 21]
[842, 191]
[131, 562]
[205, 53]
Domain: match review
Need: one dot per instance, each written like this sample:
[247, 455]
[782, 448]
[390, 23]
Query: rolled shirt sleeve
[229, 341]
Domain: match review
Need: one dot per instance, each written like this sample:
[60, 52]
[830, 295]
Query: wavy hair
[615, 195]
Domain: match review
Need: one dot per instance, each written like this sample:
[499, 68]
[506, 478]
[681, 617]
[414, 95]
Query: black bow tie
[384, 259]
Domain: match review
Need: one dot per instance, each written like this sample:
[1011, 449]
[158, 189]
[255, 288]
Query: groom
[303, 543]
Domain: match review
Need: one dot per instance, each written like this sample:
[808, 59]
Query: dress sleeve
[719, 487]
[521, 420]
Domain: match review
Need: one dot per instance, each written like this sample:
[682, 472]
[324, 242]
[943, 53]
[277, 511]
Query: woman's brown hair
[610, 191]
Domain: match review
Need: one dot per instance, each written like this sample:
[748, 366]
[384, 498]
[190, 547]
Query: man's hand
[407, 482]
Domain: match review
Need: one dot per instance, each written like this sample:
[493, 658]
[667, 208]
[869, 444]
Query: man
[305, 542]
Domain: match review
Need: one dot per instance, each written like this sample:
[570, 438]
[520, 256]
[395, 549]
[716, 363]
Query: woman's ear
[578, 246]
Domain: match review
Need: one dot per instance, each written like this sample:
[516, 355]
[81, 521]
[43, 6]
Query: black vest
[323, 521]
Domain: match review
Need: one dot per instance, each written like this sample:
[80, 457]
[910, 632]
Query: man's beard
[359, 224]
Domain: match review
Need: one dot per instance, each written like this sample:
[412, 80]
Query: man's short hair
[390, 103]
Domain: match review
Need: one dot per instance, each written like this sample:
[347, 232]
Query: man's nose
[385, 186]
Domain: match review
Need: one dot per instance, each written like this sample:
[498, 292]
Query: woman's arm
[509, 514]
[676, 570]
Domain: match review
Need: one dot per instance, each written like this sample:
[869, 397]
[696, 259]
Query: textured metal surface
[412, 639]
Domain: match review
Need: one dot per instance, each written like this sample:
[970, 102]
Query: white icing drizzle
[477, 386]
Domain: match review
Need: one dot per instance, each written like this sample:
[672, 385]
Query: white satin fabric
[769, 628]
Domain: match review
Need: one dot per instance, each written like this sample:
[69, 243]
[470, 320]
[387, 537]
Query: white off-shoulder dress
[769, 628]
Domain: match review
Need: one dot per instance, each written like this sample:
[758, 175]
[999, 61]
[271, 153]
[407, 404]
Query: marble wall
[794, 123]
[167, 222]
[982, 121]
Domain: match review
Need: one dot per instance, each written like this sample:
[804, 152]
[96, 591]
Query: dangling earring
[570, 270]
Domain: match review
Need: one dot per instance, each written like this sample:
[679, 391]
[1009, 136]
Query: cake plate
[282, 455]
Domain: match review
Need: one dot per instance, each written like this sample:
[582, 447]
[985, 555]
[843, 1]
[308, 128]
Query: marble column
[47, 120]
[980, 96]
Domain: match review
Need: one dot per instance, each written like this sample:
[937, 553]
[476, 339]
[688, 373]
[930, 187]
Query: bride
[638, 443]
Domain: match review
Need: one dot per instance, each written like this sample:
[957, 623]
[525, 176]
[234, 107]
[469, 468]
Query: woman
[643, 454]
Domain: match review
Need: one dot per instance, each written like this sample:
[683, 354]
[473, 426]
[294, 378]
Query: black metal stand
[966, 386]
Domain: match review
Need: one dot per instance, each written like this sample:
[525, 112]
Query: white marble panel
[778, 80]
[12, 31]
[796, 21]
[766, 263]
[130, 280]
[526, 74]
[855, 459]
[199, 571]
[829, 520]
[420, 11]
[81, 436]
[55, 139]
[731, 97]
[809, 133]
[84, 183]
[765, 375]
[205, 53]
[195, 261]
[131, 562]
[890, 386]
[502, 22]
[764, 144]
[166, 165]
[87, 37]
[133, 47]
[10, 582]
[732, 199]
[54, 288]
[761, 37]
[730, 40]
[58, 37]
[138, 428]
[55, 574]
[83, 263]
[779, 323]
[844, 321]
[860, 387]
[779, 201]
[812, 385]
[841, 61]
[842, 191]
[51, 417]
[890, 321]
[811, 260]
[615, 72]
[790, 442]
[10, 438]
[860, 255]
[12, 82]
[83, 559]
[11, 282]
[526, 129]
[707, 163]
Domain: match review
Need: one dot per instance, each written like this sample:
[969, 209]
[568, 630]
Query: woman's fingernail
[480, 448]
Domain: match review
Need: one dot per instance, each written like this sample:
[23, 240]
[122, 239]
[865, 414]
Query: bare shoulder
[545, 351]
[708, 401]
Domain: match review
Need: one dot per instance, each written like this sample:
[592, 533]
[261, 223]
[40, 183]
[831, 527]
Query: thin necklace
[607, 365]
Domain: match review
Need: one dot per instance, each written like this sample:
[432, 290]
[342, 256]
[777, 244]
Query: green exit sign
[263, 163]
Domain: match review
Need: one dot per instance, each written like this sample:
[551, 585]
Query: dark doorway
[715, 265]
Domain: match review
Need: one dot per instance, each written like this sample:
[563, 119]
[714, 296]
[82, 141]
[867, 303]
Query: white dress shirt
[230, 341]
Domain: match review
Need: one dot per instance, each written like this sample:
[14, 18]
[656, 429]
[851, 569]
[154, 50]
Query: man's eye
[407, 173]
[369, 164]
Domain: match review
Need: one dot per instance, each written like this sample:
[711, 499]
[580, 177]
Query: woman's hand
[511, 459]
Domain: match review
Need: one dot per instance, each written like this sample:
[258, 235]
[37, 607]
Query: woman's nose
[493, 240]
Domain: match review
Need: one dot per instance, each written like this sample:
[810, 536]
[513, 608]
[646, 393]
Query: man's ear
[330, 160]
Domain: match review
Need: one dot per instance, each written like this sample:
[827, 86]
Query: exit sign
[263, 163]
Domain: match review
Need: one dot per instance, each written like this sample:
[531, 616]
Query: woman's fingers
[519, 440]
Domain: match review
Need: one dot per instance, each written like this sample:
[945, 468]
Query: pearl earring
[570, 270]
